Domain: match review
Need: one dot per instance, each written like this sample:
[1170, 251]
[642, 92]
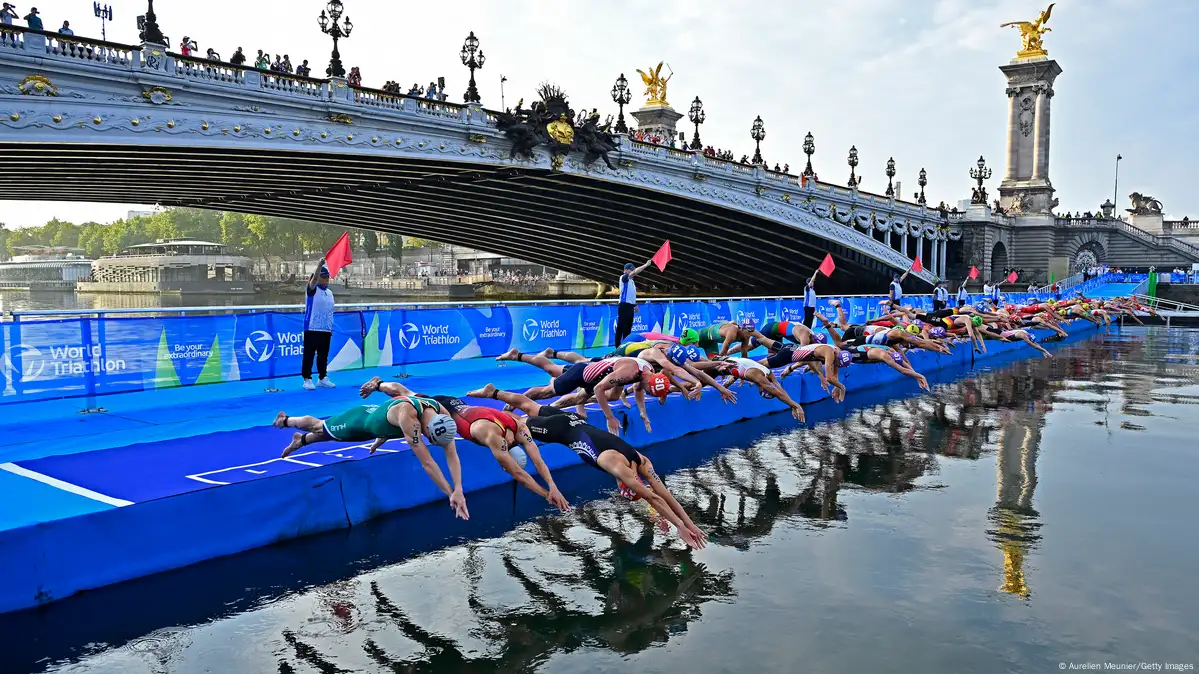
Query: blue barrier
[89, 357]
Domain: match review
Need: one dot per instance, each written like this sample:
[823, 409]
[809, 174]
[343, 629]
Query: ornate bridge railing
[1141, 235]
[150, 74]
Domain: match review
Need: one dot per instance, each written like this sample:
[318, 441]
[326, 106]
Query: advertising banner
[537, 328]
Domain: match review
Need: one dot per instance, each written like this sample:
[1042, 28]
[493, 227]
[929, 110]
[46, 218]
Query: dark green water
[1035, 513]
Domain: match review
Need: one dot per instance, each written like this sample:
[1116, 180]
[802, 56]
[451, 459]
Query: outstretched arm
[640, 269]
[316, 274]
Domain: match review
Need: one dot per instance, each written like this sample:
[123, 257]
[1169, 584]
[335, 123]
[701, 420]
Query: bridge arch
[999, 260]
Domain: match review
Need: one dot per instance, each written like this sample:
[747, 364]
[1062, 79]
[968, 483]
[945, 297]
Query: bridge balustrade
[188, 67]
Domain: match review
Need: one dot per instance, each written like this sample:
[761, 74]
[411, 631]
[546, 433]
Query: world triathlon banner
[96, 356]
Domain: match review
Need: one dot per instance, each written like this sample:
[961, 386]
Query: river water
[1032, 513]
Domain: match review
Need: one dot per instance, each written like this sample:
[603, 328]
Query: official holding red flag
[827, 266]
[318, 314]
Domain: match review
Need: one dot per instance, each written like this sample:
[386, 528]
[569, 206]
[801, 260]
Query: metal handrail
[31, 313]
[1158, 302]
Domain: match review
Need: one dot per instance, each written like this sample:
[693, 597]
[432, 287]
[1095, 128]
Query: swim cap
[1031, 336]
[659, 385]
[518, 453]
[977, 321]
[820, 337]
[937, 333]
[689, 336]
[748, 324]
[677, 354]
[915, 330]
[441, 430]
[844, 358]
[766, 394]
[628, 492]
[1011, 308]
[693, 353]
[897, 357]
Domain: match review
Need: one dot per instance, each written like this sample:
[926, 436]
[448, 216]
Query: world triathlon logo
[409, 336]
[260, 346]
[31, 363]
[530, 330]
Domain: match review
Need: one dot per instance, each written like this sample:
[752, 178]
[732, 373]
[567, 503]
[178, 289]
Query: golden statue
[1031, 32]
[655, 86]
[561, 130]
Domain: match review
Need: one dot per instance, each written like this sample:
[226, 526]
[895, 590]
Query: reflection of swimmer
[601, 450]
[401, 417]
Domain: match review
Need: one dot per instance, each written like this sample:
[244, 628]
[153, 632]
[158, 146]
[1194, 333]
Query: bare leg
[568, 356]
[515, 400]
[299, 440]
[304, 423]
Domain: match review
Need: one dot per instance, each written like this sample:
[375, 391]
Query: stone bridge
[87, 120]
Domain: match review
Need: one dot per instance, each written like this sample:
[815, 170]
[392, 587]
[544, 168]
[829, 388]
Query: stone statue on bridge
[548, 122]
[1144, 205]
[655, 85]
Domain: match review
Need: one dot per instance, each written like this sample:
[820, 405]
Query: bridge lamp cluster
[697, 116]
[329, 26]
[472, 58]
[758, 133]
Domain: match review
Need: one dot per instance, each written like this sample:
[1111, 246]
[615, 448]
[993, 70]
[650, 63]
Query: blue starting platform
[167, 478]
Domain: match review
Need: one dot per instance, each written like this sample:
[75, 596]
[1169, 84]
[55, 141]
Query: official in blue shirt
[940, 296]
[896, 293]
[627, 305]
[963, 295]
[809, 302]
[318, 327]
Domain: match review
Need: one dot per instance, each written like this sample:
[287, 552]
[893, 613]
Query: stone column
[1043, 120]
[944, 258]
[1040, 135]
[903, 244]
[933, 262]
[1013, 128]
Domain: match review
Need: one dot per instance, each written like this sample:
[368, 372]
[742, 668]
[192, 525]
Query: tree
[395, 248]
[370, 242]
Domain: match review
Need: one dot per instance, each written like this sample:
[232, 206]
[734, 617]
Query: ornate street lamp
[621, 96]
[854, 180]
[758, 133]
[922, 181]
[149, 26]
[890, 174]
[472, 57]
[809, 148]
[330, 27]
[980, 174]
[697, 117]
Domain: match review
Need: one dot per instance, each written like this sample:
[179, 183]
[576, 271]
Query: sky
[916, 80]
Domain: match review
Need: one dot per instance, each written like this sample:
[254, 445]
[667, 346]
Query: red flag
[827, 267]
[662, 256]
[339, 255]
[973, 273]
[916, 266]
[1011, 278]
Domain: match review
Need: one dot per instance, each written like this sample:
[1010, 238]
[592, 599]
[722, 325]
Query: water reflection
[530, 587]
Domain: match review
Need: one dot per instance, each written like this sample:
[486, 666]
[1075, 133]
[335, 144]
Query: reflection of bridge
[88, 120]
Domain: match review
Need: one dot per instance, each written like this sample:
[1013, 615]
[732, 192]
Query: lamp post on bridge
[980, 174]
[472, 57]
[697, 116]
[151, 33]
[854, 180]
[890, 174]
[104, 14]
[330, 27]
[809, 148]
[758, 133]
[621, 96]
[922, 181]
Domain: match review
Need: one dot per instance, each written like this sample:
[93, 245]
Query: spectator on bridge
[287, 68]
[318, 327]
[66, 29]
[303, 70]
[628, 300]
[263, 62]
[786, 168]
[212, 55]
[431, 92]
[238, 58]
[277, 64]
[355, 78]
[7, 14]
[187, 46]
[32, 18]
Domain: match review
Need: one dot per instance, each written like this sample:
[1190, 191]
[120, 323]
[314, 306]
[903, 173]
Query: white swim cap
[441, 430]
[518, 453]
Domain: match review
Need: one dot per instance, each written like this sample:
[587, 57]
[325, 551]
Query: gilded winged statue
[655, 85]
[1031, 32]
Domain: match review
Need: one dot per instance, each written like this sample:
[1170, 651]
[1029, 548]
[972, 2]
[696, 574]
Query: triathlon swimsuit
[587, 375]
[466, 415]
[567, 428]
[367, 422]
[778, 330]
[742, 366]
[788, 355]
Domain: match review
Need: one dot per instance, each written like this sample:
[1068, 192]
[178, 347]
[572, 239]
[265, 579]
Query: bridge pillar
[943, 257]
[154, 57]
[903, 243]
[1026, 188]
